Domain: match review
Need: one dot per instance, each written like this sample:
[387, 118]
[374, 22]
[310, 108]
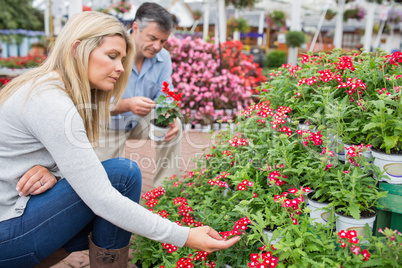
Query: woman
[48, 119]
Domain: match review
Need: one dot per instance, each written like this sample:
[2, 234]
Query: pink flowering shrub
[205, 87]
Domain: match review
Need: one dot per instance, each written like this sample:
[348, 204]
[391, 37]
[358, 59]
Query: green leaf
[354, 211]
[370, 126]
[311, 248]
[390, 142]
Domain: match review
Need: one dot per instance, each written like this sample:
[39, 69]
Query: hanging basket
[330, 14]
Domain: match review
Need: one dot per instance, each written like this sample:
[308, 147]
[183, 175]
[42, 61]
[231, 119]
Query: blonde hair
[89, 28]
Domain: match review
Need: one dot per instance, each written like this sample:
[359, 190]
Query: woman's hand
[207, 239]
[35, 181]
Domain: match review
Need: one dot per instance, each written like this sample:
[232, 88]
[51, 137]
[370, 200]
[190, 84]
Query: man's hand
[207, 239]
[172, 132]
[35, 181]
[140, 106]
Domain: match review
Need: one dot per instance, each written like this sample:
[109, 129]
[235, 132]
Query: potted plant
[355, 198]
[394, 16]
[330, 14]
[197, 14]
[167, 110]
[384, 131]
[276, 19]
[355, 12]
[295, 38]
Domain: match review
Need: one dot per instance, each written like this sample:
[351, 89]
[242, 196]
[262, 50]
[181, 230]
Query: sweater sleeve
[52, 118]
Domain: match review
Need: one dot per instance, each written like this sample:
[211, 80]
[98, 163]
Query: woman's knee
[123, 173]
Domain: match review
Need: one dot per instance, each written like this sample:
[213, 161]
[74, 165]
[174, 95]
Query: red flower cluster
[349, 238]
[242, 186]
[328, 75]
[292, 205]
[163, 214]
[344, 63]
[310, 137]
[355, 151]
[308, 81]
[185, 263]
[152, 195]
[188, 262]
[218, 180]
[237, 141]
[279, 118]
[239, 227]
[228, 153]
[209, 155]
[263, 260]
[4, 81]
[201, 255]
[22, 62]
[313, 60]
[276, 177]
[292, 70]
[169, 247]
[171, 94]
[264, 110]
[355, 91]
[186, 212]
[395, 58]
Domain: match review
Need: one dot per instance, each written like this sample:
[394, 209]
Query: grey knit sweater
[46, 129]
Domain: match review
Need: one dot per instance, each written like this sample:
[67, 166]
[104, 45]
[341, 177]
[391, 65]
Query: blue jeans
[58, 218]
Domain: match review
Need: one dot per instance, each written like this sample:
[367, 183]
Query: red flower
[366, 254]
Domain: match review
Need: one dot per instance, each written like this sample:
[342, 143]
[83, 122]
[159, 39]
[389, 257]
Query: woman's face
[105, 63]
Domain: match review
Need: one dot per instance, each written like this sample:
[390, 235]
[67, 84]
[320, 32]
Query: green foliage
[275, 59]
[20, 14]
[295, 38]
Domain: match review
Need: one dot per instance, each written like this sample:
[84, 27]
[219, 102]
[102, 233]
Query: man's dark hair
[151, 12]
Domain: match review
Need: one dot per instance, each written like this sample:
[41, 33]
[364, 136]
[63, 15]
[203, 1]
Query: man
[152, 66]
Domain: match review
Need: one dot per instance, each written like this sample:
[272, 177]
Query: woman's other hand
[35, 181]
[207, 239]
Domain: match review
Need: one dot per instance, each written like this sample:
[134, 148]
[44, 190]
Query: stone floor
[193, 145]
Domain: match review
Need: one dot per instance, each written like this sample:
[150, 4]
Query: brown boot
[53, 259]
[113, 258]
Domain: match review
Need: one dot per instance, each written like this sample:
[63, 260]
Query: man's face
[150, 40]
